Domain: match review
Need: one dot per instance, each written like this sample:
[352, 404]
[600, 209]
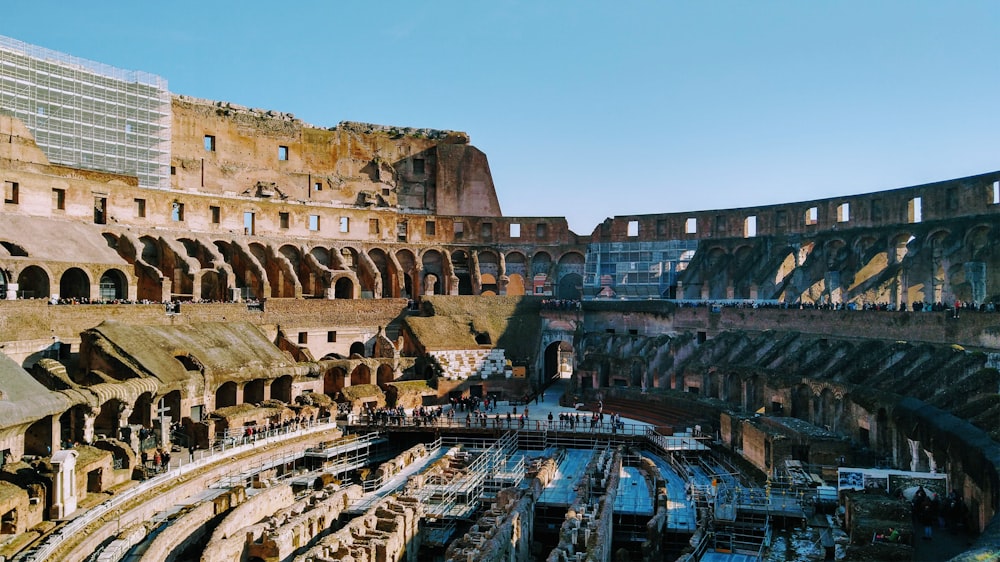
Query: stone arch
[516, 270]
[74, 284]
[322, 256]
[253, 391]
[541, 266]
[461, 267]
[225, 395]
[408, 263]
[357, 348]
[384, 374]
[333, 381]
[343, 288]
[213, 286]
[113, 285]
[489, 272]
[107, 420]
[899, 245]
[33, 282]
[142, 410]
[38, 438]
[977, 241]
[361, 375]
[433, 264]
[366, 281]
[570, 276]
[386, 271]
[558, 360]
[281, 389]
[248, 278]
[72, 424]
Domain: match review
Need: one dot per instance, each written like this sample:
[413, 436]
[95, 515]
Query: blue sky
[594, 109]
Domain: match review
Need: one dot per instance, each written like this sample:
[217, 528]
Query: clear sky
[594, 109]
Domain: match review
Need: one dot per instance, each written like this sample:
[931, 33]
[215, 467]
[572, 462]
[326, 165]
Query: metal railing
[51, 543]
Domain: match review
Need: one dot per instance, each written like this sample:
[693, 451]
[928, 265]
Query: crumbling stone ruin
[242, 281]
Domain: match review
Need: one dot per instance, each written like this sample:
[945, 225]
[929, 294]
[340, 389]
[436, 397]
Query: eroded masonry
[229, 334]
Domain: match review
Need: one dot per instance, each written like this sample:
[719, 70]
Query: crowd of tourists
[561, 304]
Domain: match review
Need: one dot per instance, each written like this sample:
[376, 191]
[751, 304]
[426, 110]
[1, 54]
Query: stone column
[914, 454]
[932, 466]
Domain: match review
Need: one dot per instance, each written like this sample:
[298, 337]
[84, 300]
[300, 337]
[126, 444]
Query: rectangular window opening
[691, 226]
[750, 226]
[541, 231]
[331, 337]
[515, 230]
[283, 153]
[209, 143]
[486, 230]
[140, 208]
[345, 223]
[173, 170]
[10, 192]
[100, 210]
[430, 228]
[996, 193]
[59, 199]
[844, 212]
[216, 214]
[177, 211]
[373, 226]
[812, 216]
[401, 230]
[633, 228]
[318, 186]
[303, 337]
[459, 230]
[914, 211]
[282, 220]
[314, 223]
[249, 223]
[418, 166]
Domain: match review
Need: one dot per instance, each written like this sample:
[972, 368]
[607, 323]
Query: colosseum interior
[227, 334]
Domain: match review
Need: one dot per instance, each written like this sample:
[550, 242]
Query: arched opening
[106, 422]
[333, 381]
[225, 395]
[385, 272]
[361, 375]
[571, 269]
[33, 283]
[172, 400]
[571, 287]
[731, 389]
[357, 350]
[604, 374]
[343, 288]
[407, 263]
[432, 263]
[213, 287]
[71, 425]
[113, 285]
[517, 272]
[281, 389]
[142, 411]
[460, 267]
[38, 438]
[74, 284]
[384, 374]
[489, 272]
[253, 391]
[558, 360]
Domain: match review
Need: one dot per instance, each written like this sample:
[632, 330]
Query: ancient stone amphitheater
[229, 334]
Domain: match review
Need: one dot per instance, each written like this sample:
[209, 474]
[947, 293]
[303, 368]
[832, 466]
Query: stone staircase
[462, 364]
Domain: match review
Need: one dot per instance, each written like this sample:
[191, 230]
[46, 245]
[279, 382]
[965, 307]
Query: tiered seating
[461, 364]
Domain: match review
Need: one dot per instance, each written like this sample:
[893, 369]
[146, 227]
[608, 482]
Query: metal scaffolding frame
[89, 115]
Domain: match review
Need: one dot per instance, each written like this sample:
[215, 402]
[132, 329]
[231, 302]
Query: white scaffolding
[87, 114]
